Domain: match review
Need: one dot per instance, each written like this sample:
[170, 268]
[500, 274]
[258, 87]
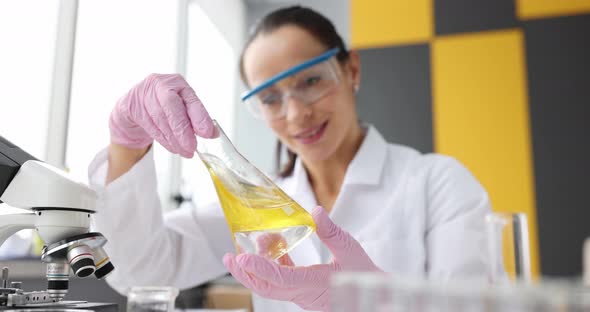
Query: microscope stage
[64, 306]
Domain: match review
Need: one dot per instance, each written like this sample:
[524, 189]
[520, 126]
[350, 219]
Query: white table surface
[211, 310]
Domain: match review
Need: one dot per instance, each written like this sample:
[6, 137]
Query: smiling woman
[386, 207]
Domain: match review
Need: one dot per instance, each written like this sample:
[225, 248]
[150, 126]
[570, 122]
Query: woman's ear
[354, 69]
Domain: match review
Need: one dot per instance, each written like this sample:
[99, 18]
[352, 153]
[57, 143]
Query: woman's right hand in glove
[162, 108]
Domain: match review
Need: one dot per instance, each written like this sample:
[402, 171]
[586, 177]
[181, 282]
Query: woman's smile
[312, 134]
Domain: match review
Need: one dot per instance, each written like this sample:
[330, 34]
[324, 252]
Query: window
[26, 62]
[112, 56]
[28, 30]
[211, 71]
[118, 43]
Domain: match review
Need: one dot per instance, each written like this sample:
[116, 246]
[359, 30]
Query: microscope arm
[60, 206]
[28, 183]
[12, 223]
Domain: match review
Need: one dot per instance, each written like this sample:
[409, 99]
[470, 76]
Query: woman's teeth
[312, 133]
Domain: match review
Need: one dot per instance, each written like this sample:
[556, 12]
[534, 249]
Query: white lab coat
[415, 214]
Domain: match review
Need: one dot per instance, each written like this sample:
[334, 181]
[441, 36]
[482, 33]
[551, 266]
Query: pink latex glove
[308, 287]
[162, 108]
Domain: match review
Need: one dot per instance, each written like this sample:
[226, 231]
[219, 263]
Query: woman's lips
[312, 135]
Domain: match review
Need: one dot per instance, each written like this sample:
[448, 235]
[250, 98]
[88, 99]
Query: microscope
[60, 210]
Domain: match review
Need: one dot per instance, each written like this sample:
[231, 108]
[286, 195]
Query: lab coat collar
[366, 166]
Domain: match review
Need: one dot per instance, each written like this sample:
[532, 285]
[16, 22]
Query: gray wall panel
[558, 53]
[457, 16]
[395, 94]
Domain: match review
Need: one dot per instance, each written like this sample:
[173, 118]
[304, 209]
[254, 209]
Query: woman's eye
[310, 81]
[270, 99]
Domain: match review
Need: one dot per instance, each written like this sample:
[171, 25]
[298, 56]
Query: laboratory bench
[222, 293]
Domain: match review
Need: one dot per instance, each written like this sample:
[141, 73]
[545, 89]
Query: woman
[385, 206]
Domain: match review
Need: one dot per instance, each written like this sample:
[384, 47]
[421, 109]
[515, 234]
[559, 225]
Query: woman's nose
[296, 109]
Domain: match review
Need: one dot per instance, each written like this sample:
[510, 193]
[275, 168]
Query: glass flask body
[262, 219]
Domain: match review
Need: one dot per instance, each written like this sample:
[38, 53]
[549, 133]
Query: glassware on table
[151, 299]
[263, 219]
[508, 247]
[381, 292]
[362, 291]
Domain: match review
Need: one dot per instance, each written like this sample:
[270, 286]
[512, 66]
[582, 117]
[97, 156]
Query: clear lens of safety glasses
[307, 83]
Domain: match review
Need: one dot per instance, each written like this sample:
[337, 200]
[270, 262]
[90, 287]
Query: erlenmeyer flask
[263, 219]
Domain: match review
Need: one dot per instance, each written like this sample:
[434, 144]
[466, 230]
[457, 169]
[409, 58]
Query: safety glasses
[306, 83]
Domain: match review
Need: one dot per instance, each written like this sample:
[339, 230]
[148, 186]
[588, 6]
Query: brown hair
[315, 24]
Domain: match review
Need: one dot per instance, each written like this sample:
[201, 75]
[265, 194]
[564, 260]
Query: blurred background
[502, 85]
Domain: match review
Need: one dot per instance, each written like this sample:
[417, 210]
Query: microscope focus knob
[4, 283]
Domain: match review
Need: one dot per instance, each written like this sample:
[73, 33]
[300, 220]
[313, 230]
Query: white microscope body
[63, 203]
[60, 210]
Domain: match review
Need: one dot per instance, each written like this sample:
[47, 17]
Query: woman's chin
[313, 154]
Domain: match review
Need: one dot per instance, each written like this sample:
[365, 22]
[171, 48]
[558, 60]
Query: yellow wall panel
[528, 9]
[481, 117]
[376, 23]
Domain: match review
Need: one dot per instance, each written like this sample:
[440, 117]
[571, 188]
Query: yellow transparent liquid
[262, 220]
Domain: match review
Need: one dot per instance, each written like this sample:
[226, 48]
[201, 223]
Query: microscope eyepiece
[81, 260]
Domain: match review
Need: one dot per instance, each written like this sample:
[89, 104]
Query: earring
[356, 88]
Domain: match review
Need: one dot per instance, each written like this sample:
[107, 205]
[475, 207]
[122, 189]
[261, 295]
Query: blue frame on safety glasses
[306, 83]
[293, 70]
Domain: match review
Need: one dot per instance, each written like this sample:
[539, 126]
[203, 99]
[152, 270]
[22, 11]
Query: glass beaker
[263, 219]
[508, 247]
[151, 299]
[362, 291]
